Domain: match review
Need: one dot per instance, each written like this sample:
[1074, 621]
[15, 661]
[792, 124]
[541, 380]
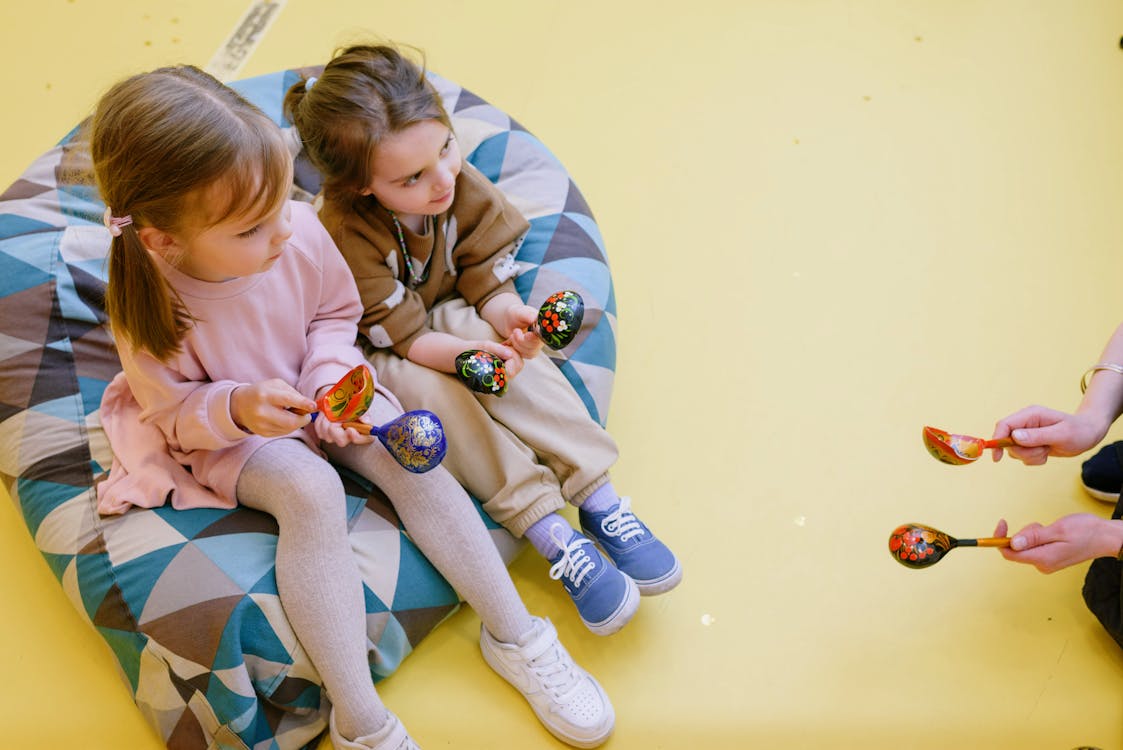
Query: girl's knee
[286, 476]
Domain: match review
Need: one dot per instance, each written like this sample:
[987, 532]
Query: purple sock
[539, 535]
[603, 498]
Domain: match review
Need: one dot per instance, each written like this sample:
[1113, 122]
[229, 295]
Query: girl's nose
[445, 182]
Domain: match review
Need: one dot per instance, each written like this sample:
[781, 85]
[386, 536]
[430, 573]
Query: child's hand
[512, 360]
[263, 408]
[517, 319]
[335, 432]
[338, 434]
[1040, 433]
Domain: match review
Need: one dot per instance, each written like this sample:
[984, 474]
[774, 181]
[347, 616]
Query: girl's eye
[250, 232]
[412, 180]
[448, 144]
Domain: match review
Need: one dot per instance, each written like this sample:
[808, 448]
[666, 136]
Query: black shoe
[1102, 474]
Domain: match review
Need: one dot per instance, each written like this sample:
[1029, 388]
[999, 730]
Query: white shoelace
[621, 522]
[558, 675]
[574, 563]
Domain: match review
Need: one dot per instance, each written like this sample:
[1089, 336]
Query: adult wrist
[1086, 378]
[1115, 545]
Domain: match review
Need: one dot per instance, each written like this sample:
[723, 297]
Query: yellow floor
[830, 223]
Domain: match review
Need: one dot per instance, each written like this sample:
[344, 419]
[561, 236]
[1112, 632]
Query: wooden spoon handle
[1005, 442]
[988, 541]
[361, 427]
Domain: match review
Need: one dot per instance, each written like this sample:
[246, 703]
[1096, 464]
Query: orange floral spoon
[415, 439]
[959, 449]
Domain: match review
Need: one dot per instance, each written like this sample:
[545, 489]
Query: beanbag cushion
[187, 600]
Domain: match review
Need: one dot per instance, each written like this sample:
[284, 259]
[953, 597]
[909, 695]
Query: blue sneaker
[634, 549]
[606, 599]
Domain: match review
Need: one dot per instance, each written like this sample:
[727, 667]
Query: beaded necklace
[414, 279]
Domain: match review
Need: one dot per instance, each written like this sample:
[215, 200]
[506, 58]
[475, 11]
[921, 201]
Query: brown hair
[364, 94]
[158, 141]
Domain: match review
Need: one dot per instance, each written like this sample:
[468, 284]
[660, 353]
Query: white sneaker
[392, 736]
[568, 701]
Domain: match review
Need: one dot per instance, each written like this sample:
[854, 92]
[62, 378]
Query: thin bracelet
[1098, 366]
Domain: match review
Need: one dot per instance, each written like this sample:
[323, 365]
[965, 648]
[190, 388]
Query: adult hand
[1067, 541]
[1041, 432]
[263, 408]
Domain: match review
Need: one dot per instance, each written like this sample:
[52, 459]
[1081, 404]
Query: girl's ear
[158, 241]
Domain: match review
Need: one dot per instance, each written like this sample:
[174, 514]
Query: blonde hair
[364, 94]
[158, 141]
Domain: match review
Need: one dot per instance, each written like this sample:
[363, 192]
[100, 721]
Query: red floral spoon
[915, 545]
[959, 449]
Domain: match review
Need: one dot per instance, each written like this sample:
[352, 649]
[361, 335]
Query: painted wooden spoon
[959, 449]
[915, 545]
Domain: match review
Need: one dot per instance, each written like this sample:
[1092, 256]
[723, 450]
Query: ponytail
[141, 306]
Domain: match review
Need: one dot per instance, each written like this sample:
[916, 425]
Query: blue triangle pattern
[95, 578]
[127, 647]
[13, 225]
[66, 408]
[393, 647]
[189, 522]
[419, 584]
[136, 578]
[62, 345]
[91, 390]
[537, 241]
[228, 703]
[249, 631]
[290, 77]
[488, 156]
[244, 563]
[590, 228]
[488, 522]
[267, 584]
[19, 276]
[266, 91]
[71, 304]
[590, 272]
[37, 251]
[373, 602]
[599, 348]
[57, 563]
[258, 734]
[96, 267]
[530, 143]
[38, 498]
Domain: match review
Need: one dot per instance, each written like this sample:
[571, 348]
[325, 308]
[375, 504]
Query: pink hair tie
[115, 223]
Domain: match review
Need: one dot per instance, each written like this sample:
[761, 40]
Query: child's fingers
[502, 351]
